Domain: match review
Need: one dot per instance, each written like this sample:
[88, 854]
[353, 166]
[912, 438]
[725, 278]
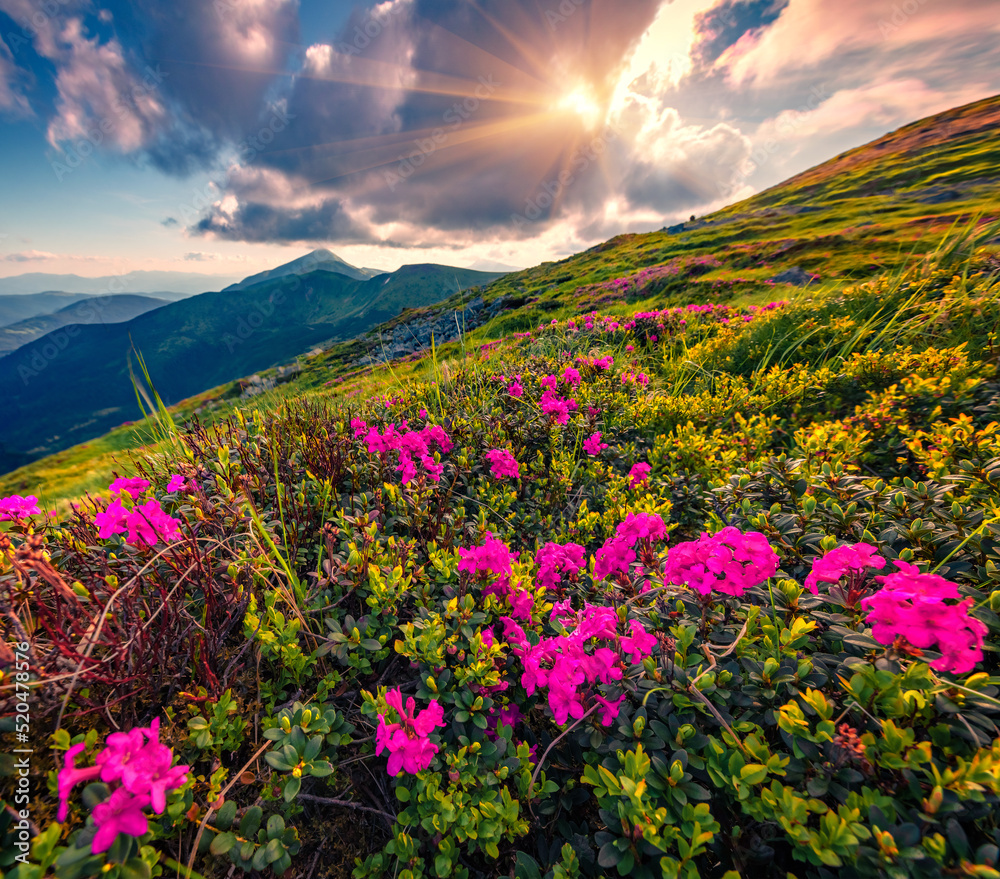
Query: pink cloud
[809, 33]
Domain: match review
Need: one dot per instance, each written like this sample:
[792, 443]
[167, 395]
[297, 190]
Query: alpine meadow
[673, 556]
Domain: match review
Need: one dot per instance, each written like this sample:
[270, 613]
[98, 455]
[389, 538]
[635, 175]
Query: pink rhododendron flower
[639, 474]
[638, 643]
[359, 427]
[554, 559]
[141, 770]
[112, 520]
[133, 487]
[555, 407]
[407, 742]
[592, 445]
[410, 447]
[571, 376]
[563, 665]
[422, 413]
[617, 553]
[149, 523]
[730, 562]
[911, 605]
[70, 776]
[494, 557]
[515, 389]
[120, 813]
[177, 483]
[503, 464]
[17, 507]
[853, 559]
[549, 382]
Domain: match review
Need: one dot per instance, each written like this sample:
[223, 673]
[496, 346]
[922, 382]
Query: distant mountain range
[58, 392]
[92, 310]
[15, 308]
[162, 285]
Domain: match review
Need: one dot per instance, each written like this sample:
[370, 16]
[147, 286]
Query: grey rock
[795, 275]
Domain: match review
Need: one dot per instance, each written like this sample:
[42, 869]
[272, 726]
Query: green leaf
[608, 856]
[251, 821]
[753, 773]
[292, 788]
[273, 850]
[275, 827]
[226, 815]
[223, 843]
[135, 868]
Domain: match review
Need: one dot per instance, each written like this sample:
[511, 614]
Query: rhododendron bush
[567, 608]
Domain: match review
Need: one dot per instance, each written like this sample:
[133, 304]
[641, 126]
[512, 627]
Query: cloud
[29, 256]
[201, 256]
[169, 222]
[12, 98]
[101, 99]
[815, 35]
[425, 120]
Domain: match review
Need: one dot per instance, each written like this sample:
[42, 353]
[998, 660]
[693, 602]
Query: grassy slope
[847, 231]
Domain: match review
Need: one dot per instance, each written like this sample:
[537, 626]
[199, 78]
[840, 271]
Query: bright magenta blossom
[843, 560]
[407, 742]
[639, 643]
[141, 770]
[112, 520]
[571, 376]
[730, 562]
[639, 474]
[515, 389]
[177, 483]
[592, 445]
[618, 553]
[911, 605]
[410, 446]
[503, 463]
[120, 813]
[133, 487]
[564, 666]
[149, 523]
[553, 560]
[17, 507]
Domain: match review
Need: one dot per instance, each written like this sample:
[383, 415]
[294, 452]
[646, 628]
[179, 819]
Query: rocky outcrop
[445, 325]
[795, 275]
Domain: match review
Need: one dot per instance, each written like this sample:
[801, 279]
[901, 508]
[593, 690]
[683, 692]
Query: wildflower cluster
[141, 771]
[503, 464]
[618, 552]
[146, 523]
[568, 670]
[911, 605]
[410, 446]
[852, 560]
[18, 508]
[730, 562]
[407, 742]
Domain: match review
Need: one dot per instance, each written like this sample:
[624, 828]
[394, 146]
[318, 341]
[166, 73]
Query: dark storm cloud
[254, 221]
[435, 113]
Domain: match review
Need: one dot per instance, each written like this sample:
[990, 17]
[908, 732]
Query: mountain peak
[320, 259]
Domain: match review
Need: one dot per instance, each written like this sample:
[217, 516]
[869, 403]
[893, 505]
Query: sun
[581, 102]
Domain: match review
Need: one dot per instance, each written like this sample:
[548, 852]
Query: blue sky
[227, 136]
